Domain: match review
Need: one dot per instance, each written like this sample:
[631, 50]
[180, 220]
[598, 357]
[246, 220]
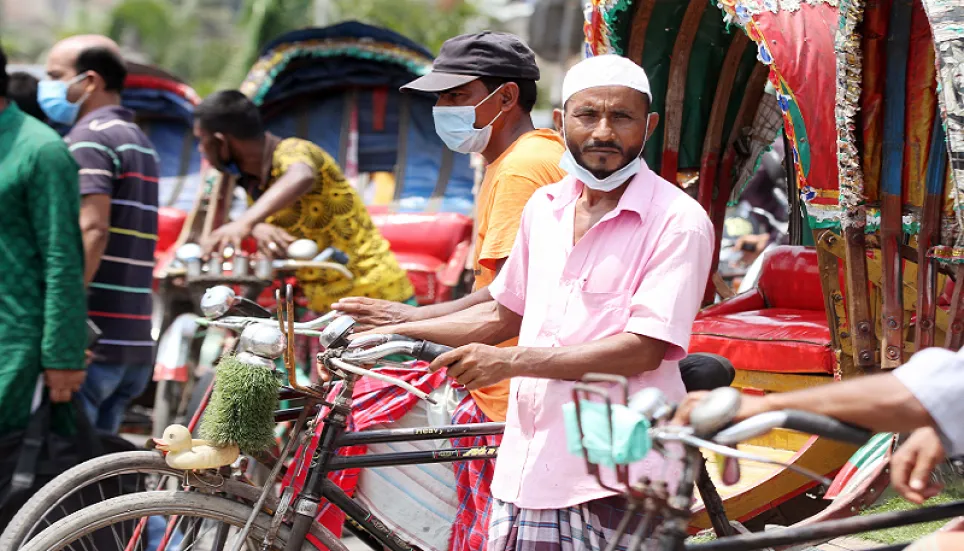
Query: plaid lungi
[470, 531]
[584, 527]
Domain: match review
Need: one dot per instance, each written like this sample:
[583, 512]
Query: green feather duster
[242, 406]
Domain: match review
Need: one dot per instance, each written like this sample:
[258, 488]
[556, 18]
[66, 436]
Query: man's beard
[579, 156]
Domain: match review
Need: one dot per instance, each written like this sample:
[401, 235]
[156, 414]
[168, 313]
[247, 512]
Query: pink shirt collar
[637, 197]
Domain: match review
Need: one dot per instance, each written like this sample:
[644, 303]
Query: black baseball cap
[470, 56]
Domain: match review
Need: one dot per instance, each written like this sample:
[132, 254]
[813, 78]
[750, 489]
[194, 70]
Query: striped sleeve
[99, 165]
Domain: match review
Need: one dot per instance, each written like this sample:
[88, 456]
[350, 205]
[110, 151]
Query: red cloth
[471, 528]
[376, 402]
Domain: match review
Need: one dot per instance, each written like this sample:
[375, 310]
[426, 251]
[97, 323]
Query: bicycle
[710, 429]
[147, 468]
[178, 393]
[293, 518]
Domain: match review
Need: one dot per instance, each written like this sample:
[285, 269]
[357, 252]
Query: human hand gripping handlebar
[348, 356]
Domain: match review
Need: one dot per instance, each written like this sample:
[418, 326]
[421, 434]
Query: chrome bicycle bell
[217, 301]
[261, 344]
[336, 334]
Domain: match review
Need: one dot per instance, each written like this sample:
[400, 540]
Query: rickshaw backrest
[790, 278]
[169, 224]
[436, 235]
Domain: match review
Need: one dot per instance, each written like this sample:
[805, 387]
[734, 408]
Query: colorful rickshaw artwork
[864, 112]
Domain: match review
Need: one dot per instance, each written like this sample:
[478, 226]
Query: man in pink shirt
[606, 275]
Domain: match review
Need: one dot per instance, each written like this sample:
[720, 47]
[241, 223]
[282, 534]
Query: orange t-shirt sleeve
[512, 192]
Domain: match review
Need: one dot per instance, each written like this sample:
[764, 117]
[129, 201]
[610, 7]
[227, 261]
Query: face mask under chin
[612, 180]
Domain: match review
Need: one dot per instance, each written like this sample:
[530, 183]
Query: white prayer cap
[604, 70]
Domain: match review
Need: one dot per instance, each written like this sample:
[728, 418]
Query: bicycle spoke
[221, 537]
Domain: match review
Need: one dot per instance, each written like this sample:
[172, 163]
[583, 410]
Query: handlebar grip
[828, 427]
[340, 257]
[332, 254]
[427, 351]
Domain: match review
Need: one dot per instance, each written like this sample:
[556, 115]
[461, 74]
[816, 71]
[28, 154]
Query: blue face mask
[456, 127]
[52, 97]
[621, 439]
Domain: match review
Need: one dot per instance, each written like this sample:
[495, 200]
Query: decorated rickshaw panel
[611, 23]
[338, 87]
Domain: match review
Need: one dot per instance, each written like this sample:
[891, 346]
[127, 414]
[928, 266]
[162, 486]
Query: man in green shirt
[43, 308]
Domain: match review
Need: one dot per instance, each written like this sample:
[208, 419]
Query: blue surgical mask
[609, 183]
[52, 97]
[620, 439]
[456, 127]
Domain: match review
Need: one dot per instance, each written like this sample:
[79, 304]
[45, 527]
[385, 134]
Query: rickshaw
[338, 87]
[868, 165]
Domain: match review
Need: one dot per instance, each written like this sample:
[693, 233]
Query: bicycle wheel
[103, 476]
[203, 523]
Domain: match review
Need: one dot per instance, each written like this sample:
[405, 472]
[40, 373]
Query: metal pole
[568, 20]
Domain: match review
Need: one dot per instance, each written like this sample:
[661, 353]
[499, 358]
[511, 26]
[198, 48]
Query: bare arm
[479, 365]
[373, 312]
[488, 322]
[433, 311]
[446, 308]
[878, 402]
[95, 231]
[625, 354]
[294, 183]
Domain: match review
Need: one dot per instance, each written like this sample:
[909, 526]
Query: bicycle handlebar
[426, 351]
[802, 421]
[828, 427]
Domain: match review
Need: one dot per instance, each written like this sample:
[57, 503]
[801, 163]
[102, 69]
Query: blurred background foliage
[211, 44]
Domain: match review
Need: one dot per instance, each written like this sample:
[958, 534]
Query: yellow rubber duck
[187, 454]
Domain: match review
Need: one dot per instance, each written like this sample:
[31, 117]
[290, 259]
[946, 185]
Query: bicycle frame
[334, 436]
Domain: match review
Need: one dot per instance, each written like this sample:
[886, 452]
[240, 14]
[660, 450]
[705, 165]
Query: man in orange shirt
[486, 87]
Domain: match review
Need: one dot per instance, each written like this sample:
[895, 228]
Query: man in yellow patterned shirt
[298, 191]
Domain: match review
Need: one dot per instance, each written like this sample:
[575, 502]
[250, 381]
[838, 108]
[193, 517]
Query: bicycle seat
[703, 371]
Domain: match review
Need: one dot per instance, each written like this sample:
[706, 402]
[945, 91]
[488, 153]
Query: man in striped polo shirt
[118, 217]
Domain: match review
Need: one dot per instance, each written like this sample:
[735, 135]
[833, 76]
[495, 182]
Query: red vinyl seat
[432, 248]
[169, 224]
[778, 327]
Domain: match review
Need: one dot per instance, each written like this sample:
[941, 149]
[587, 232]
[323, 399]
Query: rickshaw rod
[690, 440]
[361, 371]
[832, 529]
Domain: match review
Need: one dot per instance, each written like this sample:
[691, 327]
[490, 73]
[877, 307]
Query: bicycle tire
[28, 518]
[135, 506]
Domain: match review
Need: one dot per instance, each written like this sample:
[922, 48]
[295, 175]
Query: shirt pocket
[591, 315]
